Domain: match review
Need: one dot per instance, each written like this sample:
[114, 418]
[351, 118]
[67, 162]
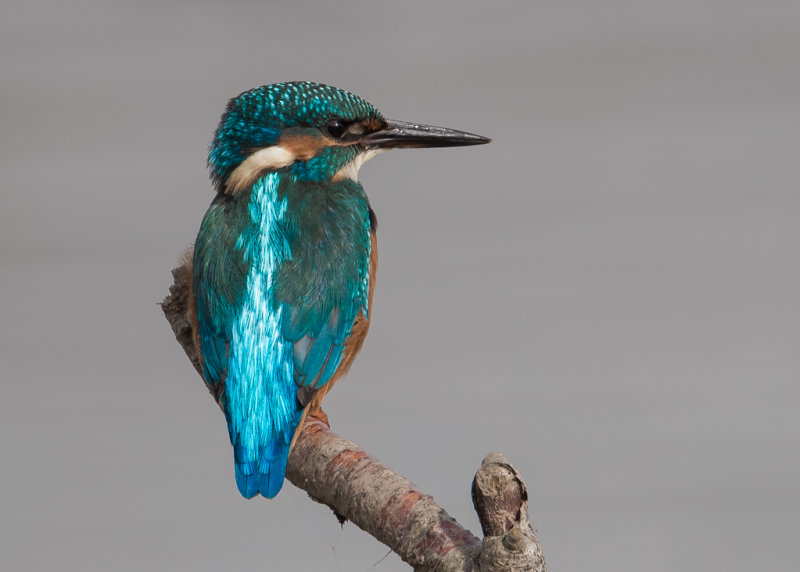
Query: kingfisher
[283, 268]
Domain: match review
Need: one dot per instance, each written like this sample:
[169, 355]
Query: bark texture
[357, 487]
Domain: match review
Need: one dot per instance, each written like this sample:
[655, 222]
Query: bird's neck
[329, 209]
[309, 213]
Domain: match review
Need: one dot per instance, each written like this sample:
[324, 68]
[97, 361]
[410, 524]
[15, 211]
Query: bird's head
[314, 131]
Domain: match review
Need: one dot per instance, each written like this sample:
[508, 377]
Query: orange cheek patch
[303, 146]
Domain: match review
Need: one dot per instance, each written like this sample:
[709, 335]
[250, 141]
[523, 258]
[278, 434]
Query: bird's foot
[320, 415]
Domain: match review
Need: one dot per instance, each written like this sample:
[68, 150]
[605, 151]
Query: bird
[283, 266]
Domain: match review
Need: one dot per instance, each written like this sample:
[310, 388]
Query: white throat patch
[350, 170]
[269, 158]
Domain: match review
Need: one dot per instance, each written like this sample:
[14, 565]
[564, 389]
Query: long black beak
[400, 134]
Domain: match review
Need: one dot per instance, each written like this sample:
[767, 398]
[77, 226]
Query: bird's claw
[320, 415]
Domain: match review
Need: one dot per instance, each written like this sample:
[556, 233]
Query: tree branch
[357, 487]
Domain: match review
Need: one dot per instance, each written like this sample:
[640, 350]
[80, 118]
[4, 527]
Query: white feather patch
[269, 158]
[350, 170]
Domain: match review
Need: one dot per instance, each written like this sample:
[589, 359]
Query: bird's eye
[336, 128]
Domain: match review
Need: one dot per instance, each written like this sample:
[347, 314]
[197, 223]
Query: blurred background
[608, 293]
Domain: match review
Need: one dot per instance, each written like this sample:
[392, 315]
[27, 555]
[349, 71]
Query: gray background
[607, 293]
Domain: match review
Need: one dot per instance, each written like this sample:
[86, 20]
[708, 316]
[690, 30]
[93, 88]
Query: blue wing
[324, 288]
[317, 355]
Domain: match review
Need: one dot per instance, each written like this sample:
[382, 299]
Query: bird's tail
[265, 474]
